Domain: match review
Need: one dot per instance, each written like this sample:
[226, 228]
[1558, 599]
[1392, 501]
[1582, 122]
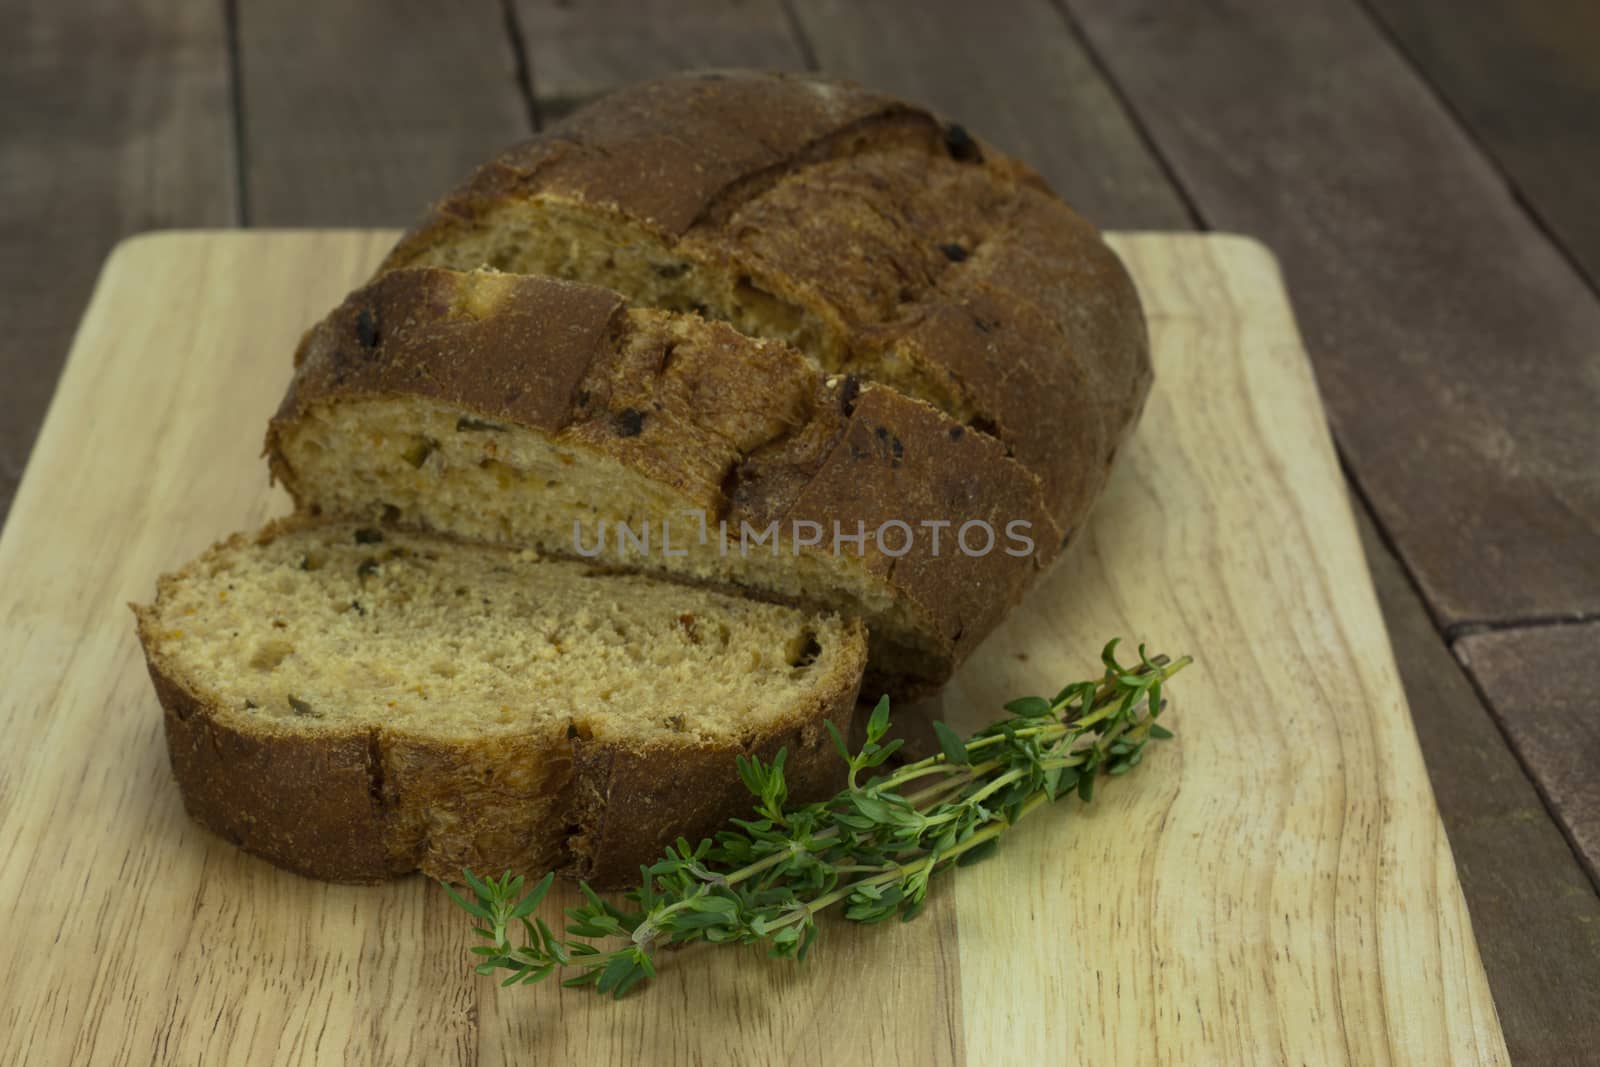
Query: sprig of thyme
[873, 848]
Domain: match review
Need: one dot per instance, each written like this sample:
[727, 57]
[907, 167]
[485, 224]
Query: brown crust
[848, 204]
[707, 138]
[632, 803]
[743, 429]
[304, 803]
[507, 347]
[366, 805]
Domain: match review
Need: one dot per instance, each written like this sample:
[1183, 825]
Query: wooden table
[1423, 169]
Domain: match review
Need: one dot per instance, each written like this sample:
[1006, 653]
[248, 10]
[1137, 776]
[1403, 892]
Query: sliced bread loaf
[356, 703]
[530, 411]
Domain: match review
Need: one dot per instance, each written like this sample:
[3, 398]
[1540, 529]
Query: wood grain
[1017, 75]
[1536, 913]
[1455, 345]
[1275, 886]
[115, 120]
[1542, 683]
[1525, 77]
[579, 49]
[358, 114]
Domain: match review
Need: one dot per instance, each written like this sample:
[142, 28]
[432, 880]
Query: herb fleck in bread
[355, 703]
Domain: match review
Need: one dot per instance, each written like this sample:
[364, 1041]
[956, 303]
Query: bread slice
[529, 411]
[355, 703]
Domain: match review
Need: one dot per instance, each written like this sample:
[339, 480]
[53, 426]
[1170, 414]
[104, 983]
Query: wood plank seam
[802, 40]
[376, 114]
[241, 183]
[1496, 715]
[1525, 622]
[1196, 218]
[577, 52]
[1518, 193]
[1551, 803]
[524, 72]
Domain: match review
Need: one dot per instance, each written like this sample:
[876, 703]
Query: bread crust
[368, 804]
[775, 441]
[899, 231]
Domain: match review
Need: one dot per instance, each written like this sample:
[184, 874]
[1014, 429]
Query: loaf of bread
[355, 703]
[798, 381]
[802, 302]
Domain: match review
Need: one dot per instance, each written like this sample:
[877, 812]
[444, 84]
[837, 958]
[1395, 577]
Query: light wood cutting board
[1272, 887]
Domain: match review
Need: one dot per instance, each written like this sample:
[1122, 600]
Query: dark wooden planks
[1536, 916]
[1525, 77]
[1512, 856]
[1454, 344]
[114, 118]
[578, 49]
[1543, 683]
[361, 114]
[1017, 74]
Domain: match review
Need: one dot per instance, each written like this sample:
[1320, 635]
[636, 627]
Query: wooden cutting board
[1272, 887]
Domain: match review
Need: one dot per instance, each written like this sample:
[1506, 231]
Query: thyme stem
[873, 848]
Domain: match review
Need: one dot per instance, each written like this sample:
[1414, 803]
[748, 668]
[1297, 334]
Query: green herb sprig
[873, 848]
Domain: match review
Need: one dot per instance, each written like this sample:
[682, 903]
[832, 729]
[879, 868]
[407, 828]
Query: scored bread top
[669, 150]
[881, 240]
[744, 430]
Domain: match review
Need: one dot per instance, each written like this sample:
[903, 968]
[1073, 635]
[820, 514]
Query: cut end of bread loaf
[356, 703]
